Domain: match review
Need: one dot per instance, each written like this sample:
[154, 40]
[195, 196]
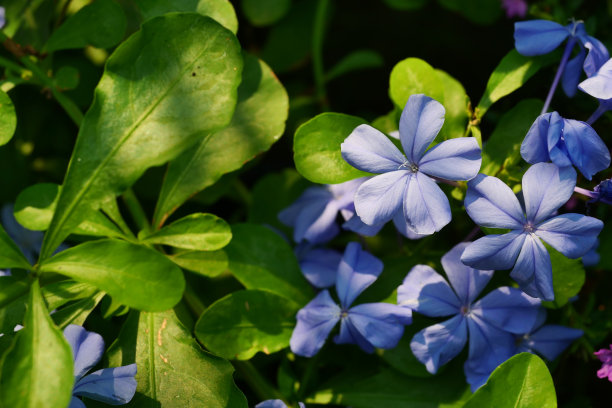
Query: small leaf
[455, 103]
[200, 232]
[245, 322]
[10, 255]
[101, 24]
[260, 259]
[8, 118]
[521, 382]
[414, 76]
[355, 61]
[76, 312]
[206, 263]
[265, 12]
[37, 370]
[316, 148]
[133, 275]
[568, 277]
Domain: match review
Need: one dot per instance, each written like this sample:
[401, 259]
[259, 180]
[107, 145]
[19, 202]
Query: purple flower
[546, 187]
[114, 386]
[405, 185]
[2, 17]
[489, 323]
[515, 8]
[605, 356]
[538, 37]
[276, 403]
[367, 325]
[565, 142]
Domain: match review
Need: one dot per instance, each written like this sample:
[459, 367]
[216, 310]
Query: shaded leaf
[10, 255]
[8, 118]
[355, 61]
[265, 12]
[220, 10]
[568, 277]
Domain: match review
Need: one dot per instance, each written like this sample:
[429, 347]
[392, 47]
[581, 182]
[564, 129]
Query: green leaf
[76, 312]
[200, 232]
[8, 118]
[220, 10]
[258, 122]
[132, 274]
[167, 86]
[173, 371]
[511, 73]
[37, 370]
[205, 263]
[245, 322]
[67, 77]
[101, 24]
[260, 259]
[521, 382]
[316, 148]
[10, 255]
[355, 61]
[477, 11]
[414, 76]
[265, 12]
[568, 277]
[406, 4]
[455, 103]
[505, 141]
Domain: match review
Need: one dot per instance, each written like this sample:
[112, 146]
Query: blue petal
[535, 147]
[426, 208]
[421, 120]
[319, 266]
[275, 403]
[314, 322]
[356, 225]
[87, 348]
[369, 150]
[533, 270]
[572, 73]
[550, 340]
[305, 211]
[592, 257]
[508, 309]
[76, 403]
[358, 270]
[349, 335]
[467, 282]
[454, 159]
[571, 234]
[538, 37]
[343, 193]
[587, 151]
[317, 224]
[426, 292]
[546, 187]
[379, 198]
[600, 85]
[477, 373]
[403, 228]
[436, 345]
[491, 203]
[489, 346]
[495, 252]
[597, 56]
[114, 386]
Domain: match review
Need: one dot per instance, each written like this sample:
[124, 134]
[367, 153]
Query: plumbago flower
[318, 265]
[367, 325]
[276, 403]
[546, 187]
[565, 142]
[600, 86]
[490, 323]
[405, 184]
[114, 386]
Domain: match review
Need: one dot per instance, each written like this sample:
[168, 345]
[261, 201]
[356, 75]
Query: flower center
[411, 167]
[529, 227]
[465, 310]
[344, 314]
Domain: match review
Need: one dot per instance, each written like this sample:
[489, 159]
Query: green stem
[195, 304]
[310, 369]
[13, 66]
[318, 35]
[243, 192]
[111, 209]
[258, 384]
[138, 214]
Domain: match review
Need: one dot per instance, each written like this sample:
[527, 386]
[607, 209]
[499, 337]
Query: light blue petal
[403, 228]
[454, 159]
[436, 345]
[275, 403]
[491, 203]
[587, 151]
[572, 73]
[533, 270]
[114, 386]
[349, 335]
[76, 403]
[426, 208]
[420, 122]
[370, 150]
[488, 345]
[314, 322]
[380, 324]
[550, 340]
[379, 198]
[311, 197]
[546, 187]
[477, 374]
[496, 252]
[571, 234]
[508, 309]
[597, 56]
[600, 85]
[538, 37]
[534, 148]
[356, 225]
[358, 270]
[317, 223]
[467, 282]
[87, 348]
[319, 266]
[557, 151]
[426, 292]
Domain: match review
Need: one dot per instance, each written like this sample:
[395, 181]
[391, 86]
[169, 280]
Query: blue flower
[276, 403]
[599, 86]
[489, 323]
[592, 257]
[367, 325]
[538, 37]
[565, 142]
[405, 186]
[546, 187]
[114, 386]
[318, 265]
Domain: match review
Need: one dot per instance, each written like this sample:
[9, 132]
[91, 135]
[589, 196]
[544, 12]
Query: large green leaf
[132, 274]
[101, 24]
[245, 322]
[173, 371]
[37, 370]
[260, 259]
[10, 255]
[220, 10]
[316, 148]
[265, 12]
[8, 118]
[168, 85]
[258, 122]
[521, 382]
[206, 263]
[200, 232]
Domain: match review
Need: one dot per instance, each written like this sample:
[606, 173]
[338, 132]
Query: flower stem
[597, 114]
[592, 194]
[566, 54]
[138, 214]
[318, 35]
